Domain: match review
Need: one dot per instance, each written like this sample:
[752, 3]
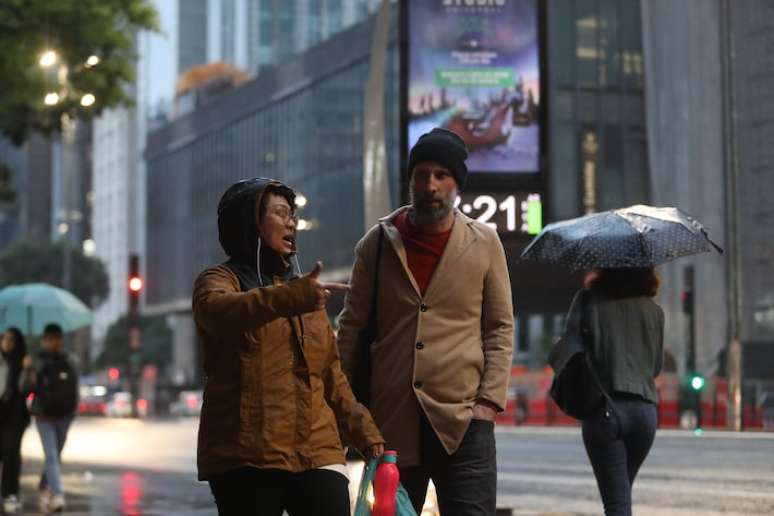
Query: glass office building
[300, 123]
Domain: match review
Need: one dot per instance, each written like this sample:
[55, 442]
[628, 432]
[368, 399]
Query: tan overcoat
[436, 353]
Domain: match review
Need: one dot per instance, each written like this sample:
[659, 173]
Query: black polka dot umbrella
[638, 236]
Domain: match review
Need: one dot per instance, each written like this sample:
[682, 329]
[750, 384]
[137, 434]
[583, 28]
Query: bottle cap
[390, 456]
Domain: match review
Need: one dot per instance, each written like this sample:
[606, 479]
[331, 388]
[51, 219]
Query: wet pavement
[123, 467]
[103, 490]
[147, 468]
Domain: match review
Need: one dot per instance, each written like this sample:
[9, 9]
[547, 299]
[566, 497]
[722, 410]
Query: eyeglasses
[284, 213]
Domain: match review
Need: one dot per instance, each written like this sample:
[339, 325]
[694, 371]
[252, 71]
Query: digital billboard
[473, 68]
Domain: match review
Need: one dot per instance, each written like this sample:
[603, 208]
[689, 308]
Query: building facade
[711, 120]
[118, 169]
[254, 34]
[301, 122]
[308, 136]
[29, 215]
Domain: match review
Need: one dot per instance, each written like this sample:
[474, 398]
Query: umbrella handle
[716, 246]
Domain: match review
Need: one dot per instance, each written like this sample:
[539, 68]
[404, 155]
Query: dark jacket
[627, 340]
[13, 407]
[35, 380]
[275, 394]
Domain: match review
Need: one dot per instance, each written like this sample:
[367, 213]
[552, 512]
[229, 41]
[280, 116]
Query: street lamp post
[67, 216]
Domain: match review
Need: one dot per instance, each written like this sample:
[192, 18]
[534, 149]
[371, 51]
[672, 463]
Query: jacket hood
[237, 227]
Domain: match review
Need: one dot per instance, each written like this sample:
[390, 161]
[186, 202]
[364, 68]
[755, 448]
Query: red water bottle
[386, 483]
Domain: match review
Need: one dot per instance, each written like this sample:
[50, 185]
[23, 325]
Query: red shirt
[423, 250]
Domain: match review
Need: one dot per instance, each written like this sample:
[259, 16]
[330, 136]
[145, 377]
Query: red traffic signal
[135, 284]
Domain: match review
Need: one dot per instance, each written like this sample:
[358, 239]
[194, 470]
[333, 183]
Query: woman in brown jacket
[275, 395]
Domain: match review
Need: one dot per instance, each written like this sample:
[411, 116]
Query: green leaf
[75, 29]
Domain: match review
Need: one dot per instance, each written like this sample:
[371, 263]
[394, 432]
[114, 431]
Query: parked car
[120, 405]
[187, 404]
[93, 400]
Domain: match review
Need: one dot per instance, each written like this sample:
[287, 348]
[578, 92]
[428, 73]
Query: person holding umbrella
[14, 417]
[624, 331]
[621, 327]
[55, 387]
[33, 307]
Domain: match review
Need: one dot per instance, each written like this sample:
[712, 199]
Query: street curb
[666, 432]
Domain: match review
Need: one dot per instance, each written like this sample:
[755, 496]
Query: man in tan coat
[441, 359]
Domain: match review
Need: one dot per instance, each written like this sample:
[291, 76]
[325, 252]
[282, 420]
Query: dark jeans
[617, 446]
[465, 481]
[268, 492]
[11, 433]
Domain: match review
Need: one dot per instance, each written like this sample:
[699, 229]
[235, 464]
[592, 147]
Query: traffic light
[686, 297]
[135, 282]
[697, 382]
[134, 337]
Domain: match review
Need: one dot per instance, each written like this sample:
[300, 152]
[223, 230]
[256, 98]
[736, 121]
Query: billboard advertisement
[473, 68]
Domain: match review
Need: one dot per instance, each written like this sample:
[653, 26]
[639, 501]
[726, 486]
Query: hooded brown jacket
[275, 394]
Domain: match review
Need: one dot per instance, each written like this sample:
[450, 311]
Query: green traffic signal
[697, 382]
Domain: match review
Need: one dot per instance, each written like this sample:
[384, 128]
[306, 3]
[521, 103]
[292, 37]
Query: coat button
[417, 385]
[423, 307]
[420, 345]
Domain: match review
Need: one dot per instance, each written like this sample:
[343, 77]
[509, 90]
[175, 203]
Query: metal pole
[734, 364]
[134, 335]
[688, 277]
[688, 286]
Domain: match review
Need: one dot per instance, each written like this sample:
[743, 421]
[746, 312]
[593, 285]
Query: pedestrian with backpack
[55, 386]
[14, 417]
[623, 330]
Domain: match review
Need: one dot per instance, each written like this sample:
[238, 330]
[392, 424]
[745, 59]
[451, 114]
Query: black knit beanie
[444, 147]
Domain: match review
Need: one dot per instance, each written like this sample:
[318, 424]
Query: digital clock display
[506, 212]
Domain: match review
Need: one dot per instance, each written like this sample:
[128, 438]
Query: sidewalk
[133, 468]
[104, 491]
[666, 432]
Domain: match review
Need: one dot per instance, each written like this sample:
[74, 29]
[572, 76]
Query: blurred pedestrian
[14, 417]
[275, 392]
[441, 359]
[624, 329]
[54, 383]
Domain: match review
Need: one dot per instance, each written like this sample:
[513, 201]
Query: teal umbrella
[30, 307]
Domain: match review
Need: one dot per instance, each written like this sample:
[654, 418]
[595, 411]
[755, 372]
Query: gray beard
[422, 215]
